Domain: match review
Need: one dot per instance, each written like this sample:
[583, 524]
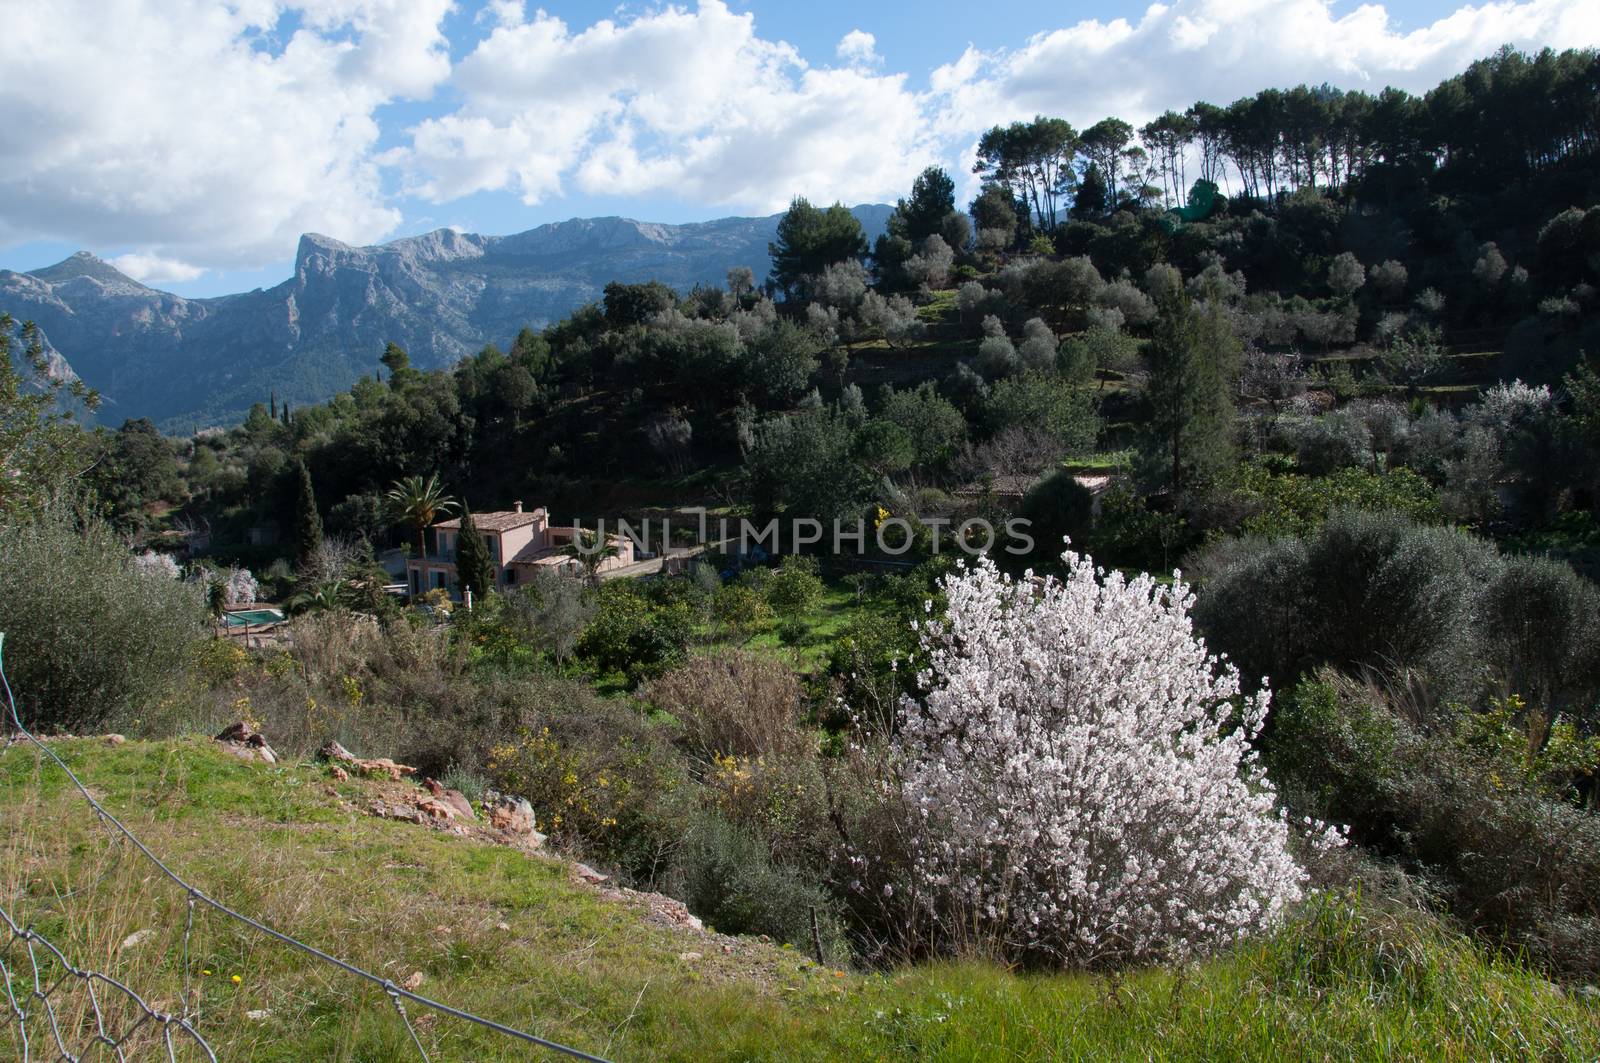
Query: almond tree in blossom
[1081, 773]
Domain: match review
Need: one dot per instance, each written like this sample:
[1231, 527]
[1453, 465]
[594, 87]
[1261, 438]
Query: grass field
[513, 937]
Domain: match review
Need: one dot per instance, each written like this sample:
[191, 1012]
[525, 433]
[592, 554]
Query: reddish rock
[455, 799]
[515, 816]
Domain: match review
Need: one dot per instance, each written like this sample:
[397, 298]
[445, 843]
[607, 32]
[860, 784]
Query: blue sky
[192, 142]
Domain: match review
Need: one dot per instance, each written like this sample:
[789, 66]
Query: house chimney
[516, 507]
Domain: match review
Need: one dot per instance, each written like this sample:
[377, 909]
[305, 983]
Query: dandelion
[236, 979]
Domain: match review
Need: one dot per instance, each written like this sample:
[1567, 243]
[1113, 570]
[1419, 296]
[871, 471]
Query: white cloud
[201, 132]
[210, 135]
[859, 48]
[695, 103]
[154, 268]
[1220, 50]
[689, 103]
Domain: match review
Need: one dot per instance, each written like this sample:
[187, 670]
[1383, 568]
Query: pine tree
[474, 566]
[307, 521]
[1192, 357]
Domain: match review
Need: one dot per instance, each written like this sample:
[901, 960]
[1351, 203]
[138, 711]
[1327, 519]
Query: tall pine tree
[307, 521]
[474, 566]
[1193, 356]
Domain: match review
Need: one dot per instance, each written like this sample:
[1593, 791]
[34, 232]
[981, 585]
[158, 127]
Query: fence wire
[49, 974]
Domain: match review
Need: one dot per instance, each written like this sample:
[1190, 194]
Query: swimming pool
[253, 617]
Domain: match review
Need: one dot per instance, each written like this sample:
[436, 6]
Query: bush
[1081, 775]
[91, 638]
[1292, 504]
[1129, 532]
[795, 588]
[1366, 591]
[726, 875]
[1520, 867]
[733, 703]
[870, 668]
[1539, 624]
[631, 636]
[603, 781]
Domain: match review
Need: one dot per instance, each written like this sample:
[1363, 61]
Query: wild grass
[510, 937]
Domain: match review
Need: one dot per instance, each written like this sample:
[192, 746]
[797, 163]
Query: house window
[438, 579]
[416, 583]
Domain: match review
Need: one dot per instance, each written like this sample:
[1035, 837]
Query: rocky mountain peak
[85, 264]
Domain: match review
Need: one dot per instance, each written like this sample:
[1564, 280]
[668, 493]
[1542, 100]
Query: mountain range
[191, 363]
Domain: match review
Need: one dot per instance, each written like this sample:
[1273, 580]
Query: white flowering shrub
[241, 588]
[1081, 774]
[155, 563]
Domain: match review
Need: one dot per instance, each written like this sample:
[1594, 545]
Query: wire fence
[114, 1016]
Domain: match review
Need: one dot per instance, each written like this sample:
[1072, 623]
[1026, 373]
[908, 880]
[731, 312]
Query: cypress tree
[474, 566]
[307, 521]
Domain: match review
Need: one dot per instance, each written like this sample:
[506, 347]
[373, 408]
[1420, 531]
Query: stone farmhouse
[520, 542]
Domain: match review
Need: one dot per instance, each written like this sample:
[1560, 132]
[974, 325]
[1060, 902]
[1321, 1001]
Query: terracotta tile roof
[496, 521]
[539, 554]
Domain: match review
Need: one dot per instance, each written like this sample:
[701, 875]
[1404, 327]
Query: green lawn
[511, 937]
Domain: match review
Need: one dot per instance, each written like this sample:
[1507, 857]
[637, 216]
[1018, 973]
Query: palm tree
[320, 597]
[590, 551]
[419, 503]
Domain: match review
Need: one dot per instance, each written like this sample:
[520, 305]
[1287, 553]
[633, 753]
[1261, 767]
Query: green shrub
[726, 876]
[1539, 624]
[1128, 532]
[90, 639]
[1520, 867]
[603, 781]
[1370, 591]
[795, 588]
[1293, 504]
[631, 635]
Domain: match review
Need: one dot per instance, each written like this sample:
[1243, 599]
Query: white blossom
[1085, 772]
[242, 587]
[1506, 407]
[154, 563]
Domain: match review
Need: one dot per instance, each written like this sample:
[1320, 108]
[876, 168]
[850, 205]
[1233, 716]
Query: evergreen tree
[398, 362]
[1192, 356]
[933, 196]
[307, 521]
[1093, 196]
[810, 240]
[474, 566]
